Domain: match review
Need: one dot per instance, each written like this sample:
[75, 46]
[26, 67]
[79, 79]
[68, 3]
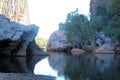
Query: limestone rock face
[57, 41]
[15, 10]
[15, 39]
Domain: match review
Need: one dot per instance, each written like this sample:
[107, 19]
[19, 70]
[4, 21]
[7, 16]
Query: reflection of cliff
[93, 67]
[104, 62]
[13, 65]
[19, 64]
[58, 62]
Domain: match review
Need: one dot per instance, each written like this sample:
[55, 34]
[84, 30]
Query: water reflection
[53, 65]
[19, 64]
[44, 68]
[92, 67]
[80, 67]
[66, 67]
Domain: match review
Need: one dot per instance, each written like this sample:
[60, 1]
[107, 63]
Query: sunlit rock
[57, 41]
[15, 10]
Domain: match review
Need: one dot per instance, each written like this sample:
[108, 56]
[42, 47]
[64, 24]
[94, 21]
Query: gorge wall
[15, 10]
[17, 37]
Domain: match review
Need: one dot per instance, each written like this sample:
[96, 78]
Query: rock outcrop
[15, 10]
[107, 47]
[57, 41]
[16, 39]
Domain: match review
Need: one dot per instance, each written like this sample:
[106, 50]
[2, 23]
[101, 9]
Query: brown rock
[77, 51]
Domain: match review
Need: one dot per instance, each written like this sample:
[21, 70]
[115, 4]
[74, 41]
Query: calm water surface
[66, 67]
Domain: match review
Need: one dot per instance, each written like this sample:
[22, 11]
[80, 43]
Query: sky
[47, 14]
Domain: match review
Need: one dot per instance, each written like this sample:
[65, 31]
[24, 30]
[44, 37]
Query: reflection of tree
[78, 67]
[92, 67]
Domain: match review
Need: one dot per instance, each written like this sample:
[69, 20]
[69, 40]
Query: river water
[64, 66]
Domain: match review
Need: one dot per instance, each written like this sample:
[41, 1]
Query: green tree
[107, 18]
[77, 29]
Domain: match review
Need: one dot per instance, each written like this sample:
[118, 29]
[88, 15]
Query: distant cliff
[15, 10]
[98, 4]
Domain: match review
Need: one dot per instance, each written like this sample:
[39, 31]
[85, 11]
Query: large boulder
[57, 41]
[15, 38]
[107, 47]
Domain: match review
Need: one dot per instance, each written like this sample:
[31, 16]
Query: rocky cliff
[15, 10]
[92, 6]
[17, 39]
[96, 5]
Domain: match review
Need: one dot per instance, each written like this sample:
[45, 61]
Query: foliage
[41, 42]
[112, 28]
[77, 28]
[107, 18]
[80, 30]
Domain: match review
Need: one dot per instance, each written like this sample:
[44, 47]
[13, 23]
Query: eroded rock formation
[17, 39]
[15, 10]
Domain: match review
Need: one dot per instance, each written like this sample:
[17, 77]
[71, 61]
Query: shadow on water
[19, 64]
[65, 66]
